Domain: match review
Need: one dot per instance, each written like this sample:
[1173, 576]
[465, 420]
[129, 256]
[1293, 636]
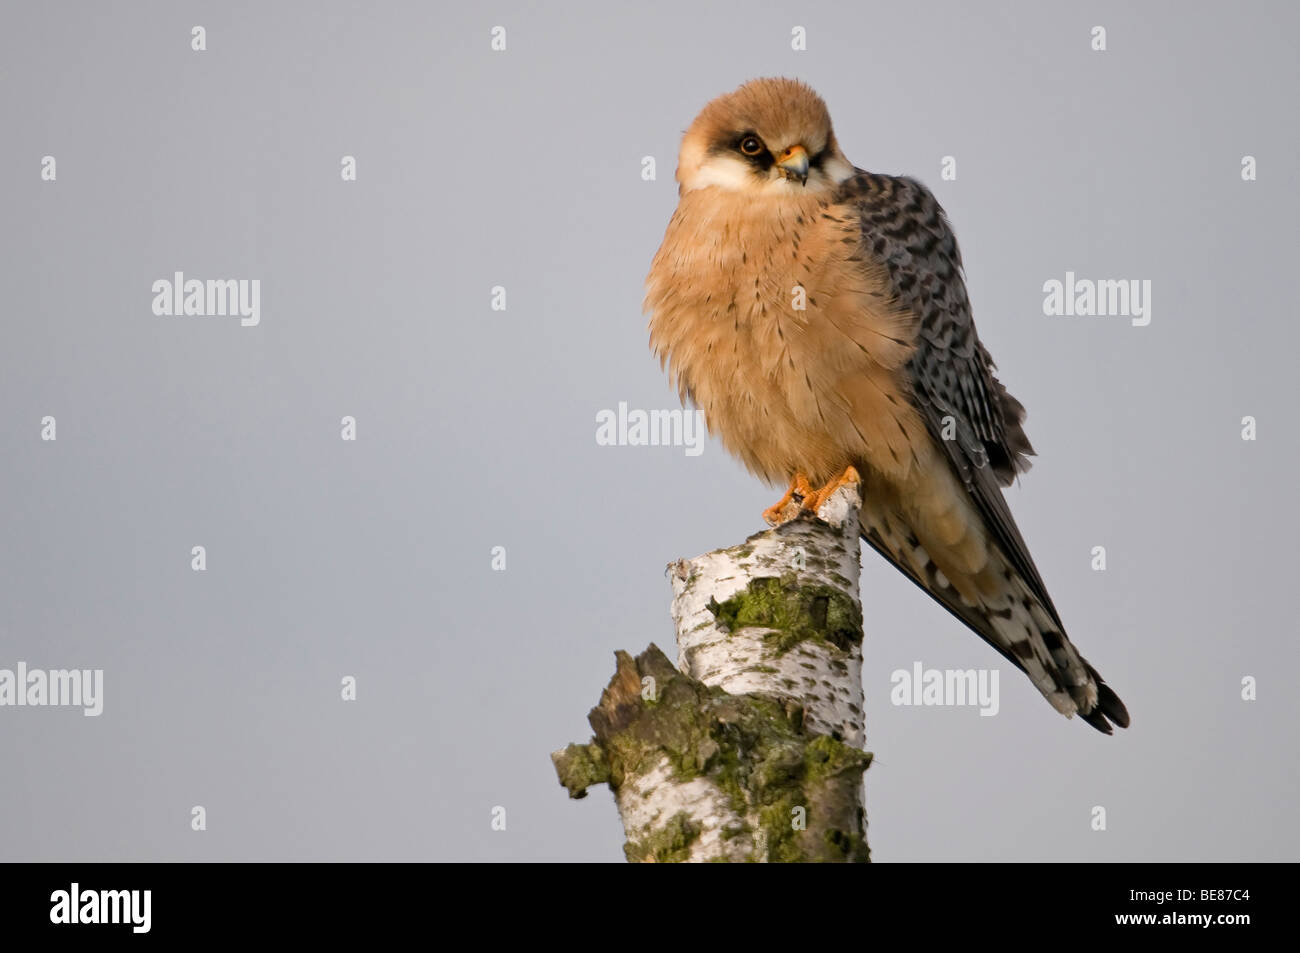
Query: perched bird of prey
[816, 313]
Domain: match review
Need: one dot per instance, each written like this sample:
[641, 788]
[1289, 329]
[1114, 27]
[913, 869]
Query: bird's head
[769, 137]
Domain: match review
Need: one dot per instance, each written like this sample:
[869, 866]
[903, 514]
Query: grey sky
[476, 428]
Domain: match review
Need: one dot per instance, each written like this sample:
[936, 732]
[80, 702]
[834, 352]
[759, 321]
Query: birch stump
[751, 748]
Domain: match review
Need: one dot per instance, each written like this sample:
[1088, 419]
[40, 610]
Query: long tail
[1000, 607]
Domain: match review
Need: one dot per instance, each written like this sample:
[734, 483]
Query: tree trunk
[750, 750]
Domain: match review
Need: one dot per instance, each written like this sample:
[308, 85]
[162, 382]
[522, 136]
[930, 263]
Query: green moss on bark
[670, 844]
[794, 612]
[752, 748]
[581, 766]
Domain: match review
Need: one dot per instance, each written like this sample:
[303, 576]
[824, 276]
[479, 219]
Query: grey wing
[967, 410]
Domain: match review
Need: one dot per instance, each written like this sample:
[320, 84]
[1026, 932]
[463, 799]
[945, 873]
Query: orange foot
[813, 502]
[800, 490]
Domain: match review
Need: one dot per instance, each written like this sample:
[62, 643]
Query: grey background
[476, 428]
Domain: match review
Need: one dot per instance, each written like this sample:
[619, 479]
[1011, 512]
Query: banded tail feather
[1012, 619]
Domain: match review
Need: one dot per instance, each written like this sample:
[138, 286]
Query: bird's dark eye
[751, 145]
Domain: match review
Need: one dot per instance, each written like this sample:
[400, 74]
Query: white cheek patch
[736, 175]
[726, 172]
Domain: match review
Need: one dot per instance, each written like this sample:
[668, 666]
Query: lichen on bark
[750, 749]
[669, 844]
[794, 612]
[800, 790]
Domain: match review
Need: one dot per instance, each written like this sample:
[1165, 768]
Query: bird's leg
[800, 490]
[812, 502]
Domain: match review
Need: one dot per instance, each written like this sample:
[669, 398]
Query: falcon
[817, 315]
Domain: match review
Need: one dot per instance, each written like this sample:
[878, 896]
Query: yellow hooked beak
[794, 164]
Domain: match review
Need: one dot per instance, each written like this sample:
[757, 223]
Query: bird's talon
[791, 504]
[813, 503]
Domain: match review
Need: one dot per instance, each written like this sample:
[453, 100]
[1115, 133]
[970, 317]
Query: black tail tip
[1108, 709]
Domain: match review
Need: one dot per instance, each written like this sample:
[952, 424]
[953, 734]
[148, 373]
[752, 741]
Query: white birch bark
[826, 679]
[753, 752]
[647, 803]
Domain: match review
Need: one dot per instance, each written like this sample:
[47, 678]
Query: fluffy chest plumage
[771, 322]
